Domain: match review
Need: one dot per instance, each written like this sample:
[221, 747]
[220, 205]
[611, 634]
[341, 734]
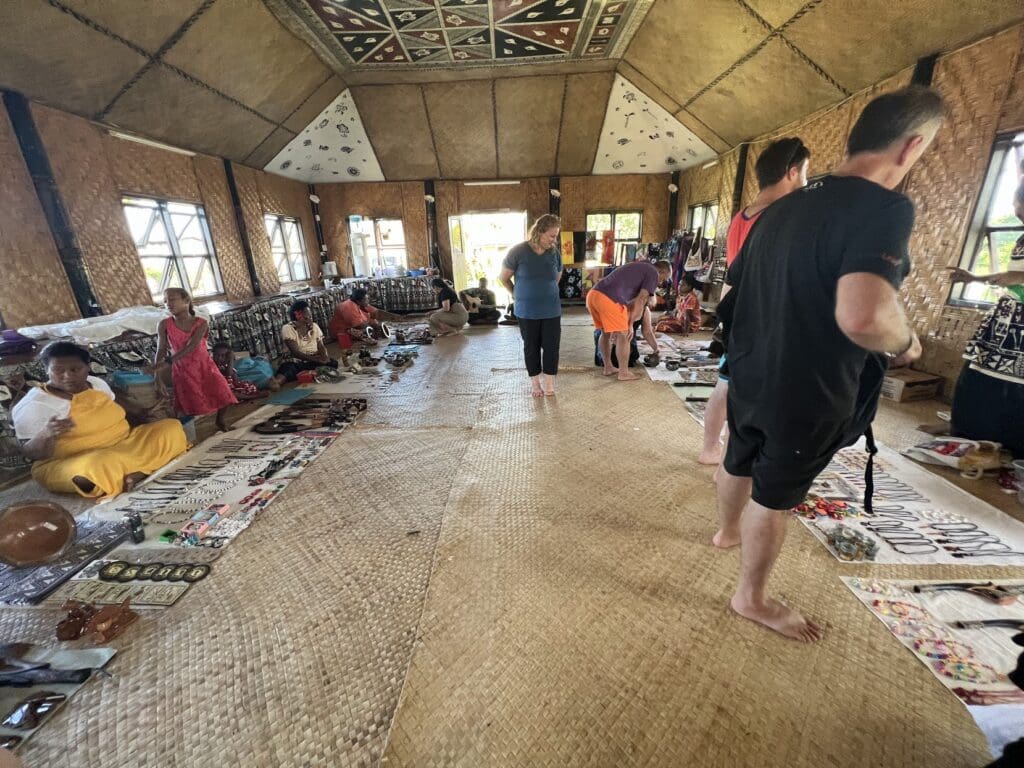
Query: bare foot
[549, 392]
[628, 376]
[132, 480]
[939, 428]
[274, 385]
[724, 540]
[537, 392]
[780, 618]
[609, 372]
[710, 457]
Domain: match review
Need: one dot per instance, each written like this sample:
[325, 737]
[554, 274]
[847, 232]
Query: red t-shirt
[348, 315]
[739, 228]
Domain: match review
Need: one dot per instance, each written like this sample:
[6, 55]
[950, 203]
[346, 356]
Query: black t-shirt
[790, 364]
[450, 295]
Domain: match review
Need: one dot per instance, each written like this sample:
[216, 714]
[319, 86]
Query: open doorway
[479, 244]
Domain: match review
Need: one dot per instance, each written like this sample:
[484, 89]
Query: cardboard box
[905, 384]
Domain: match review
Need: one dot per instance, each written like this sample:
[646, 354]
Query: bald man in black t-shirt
[814, 310]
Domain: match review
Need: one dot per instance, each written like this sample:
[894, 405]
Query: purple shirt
[625, 282]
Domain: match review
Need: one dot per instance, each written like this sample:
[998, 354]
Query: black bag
[634, 353]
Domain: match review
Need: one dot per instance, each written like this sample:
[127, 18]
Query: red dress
[199, 387]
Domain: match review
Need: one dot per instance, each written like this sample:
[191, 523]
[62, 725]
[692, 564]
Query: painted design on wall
[333, 147]
[640, 136]
[397, 33]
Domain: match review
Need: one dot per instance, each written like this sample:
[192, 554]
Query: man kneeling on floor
[618, 301]
[805, 384]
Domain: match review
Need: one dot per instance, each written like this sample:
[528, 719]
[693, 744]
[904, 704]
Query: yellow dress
[102, 448]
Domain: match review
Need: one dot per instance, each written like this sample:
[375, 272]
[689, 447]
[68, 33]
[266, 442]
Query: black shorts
[782, 465]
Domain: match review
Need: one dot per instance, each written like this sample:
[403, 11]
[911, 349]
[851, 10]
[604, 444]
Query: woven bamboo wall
[247, 183]
[90, 191]
[698, 185]
[944, 185]
[291, 198]
[1012, 117]
[34, 289]
[220, 213]
[581, 194]
[143, 170]
[414, 222]
[339, 201]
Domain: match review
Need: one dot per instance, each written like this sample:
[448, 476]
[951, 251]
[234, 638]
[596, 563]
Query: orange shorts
[608, 315]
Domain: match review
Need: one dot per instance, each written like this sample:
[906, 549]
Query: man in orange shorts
[618, 301]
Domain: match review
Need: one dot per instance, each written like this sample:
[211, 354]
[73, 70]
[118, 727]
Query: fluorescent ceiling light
[150, 143]
[712, 164]
[489, 183]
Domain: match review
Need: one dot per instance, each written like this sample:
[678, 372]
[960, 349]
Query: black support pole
[432, 238]
[673, 204]
[50, 199]
[554, 201]
[314, 204]
[243, 230]
[741, 177]
[924, 69]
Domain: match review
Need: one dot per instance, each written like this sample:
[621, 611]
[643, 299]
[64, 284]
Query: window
[378, 246]
[627, 226]
[174, 245]
[995, 228]
[704, 217]
[287, 248]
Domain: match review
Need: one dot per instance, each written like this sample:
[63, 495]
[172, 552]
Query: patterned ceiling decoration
[375, 34]
[333, 147]
[640, 136]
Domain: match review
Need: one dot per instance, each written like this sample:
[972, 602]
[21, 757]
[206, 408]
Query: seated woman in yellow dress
[78, 437]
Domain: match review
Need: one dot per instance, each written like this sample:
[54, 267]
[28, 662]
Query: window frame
[979, 232]
[176, 257]
[706, 207]
[613, 213]
[279, 220]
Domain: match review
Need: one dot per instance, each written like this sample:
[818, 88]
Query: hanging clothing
[101, 447]
[199, 386]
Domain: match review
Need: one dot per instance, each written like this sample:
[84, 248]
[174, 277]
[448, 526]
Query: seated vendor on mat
[481, 304]
[79, 439]
[305, 343]
[354, 317]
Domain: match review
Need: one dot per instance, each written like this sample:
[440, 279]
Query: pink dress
[199, 386]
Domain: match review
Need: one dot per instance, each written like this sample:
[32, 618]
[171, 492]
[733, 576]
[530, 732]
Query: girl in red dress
[199, 388]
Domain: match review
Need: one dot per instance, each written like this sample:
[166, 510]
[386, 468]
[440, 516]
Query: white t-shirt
[308, 345]
[38, 406]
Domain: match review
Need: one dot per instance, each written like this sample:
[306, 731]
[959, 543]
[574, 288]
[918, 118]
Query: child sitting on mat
[686, 318]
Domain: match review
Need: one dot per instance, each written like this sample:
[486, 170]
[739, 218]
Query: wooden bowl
[34, 533]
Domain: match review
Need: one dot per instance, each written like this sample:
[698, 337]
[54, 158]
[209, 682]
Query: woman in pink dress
[199, 388]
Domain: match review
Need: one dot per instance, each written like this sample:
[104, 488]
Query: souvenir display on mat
[102, 624]
[848, 544]
[817, 506]
[917, 517]
[29, 585]
[970, 644]
[34, 533]
[39, 681]
[142, 594]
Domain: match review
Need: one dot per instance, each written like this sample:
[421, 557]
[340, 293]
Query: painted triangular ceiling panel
[334, 147]
[640, 136]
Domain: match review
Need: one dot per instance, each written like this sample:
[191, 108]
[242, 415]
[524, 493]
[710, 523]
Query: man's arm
[639, 303]
[869, 313]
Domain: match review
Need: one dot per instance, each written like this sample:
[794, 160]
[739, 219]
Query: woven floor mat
[578, 616]
[293, 652]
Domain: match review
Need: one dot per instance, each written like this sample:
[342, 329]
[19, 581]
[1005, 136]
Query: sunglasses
[33, 710]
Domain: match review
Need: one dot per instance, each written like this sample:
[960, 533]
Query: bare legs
[733, 495]
[761, 532]
[549, 384]
[605, 342]
[714, 420]
[622, 353]
[535, 387]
